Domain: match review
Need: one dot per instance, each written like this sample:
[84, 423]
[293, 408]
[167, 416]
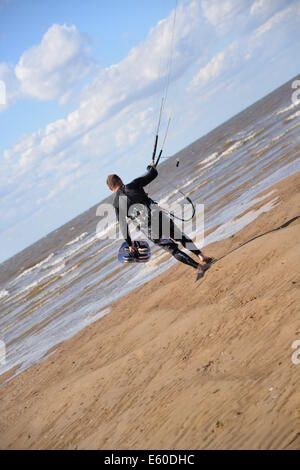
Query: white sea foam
[38, 281]
[279, 136]
[275, 139]
[294, 126]
[286, 109]
[232, 148]
[187, 183]
[208, 159]
[250, 136]
[68, 271]
[29, 270]
[56, 261]
[204, 164]
[71, 252]
[238, 223]
[167, 197]
[3, 293]
[91, 317]
[77, 239]
[293, 116]
[239, 143]
[107, 246]
[176, 191]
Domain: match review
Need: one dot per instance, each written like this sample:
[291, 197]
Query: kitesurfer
[133, 195]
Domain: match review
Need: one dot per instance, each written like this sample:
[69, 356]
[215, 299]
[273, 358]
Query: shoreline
[164, 366]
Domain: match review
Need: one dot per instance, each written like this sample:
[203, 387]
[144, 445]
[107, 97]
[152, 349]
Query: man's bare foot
[205, 259]
[200, 271]
[201, 268]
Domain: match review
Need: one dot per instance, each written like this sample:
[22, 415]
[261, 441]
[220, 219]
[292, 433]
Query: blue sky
[83, 82]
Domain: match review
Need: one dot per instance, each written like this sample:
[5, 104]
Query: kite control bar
[162, 147]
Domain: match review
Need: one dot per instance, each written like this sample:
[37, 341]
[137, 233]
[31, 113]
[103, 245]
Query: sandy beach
[178, 364]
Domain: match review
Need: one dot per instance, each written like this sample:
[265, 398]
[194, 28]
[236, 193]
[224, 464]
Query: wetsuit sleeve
[124, 227]
[146, 178]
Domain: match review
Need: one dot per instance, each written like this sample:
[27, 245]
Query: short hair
[113, 180]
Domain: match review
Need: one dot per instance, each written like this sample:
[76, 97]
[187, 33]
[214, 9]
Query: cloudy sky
[83, 85]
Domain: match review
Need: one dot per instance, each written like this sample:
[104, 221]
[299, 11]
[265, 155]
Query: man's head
[114, 182]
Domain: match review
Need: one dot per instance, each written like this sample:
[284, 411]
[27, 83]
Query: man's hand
[132, 248]
[150, 166]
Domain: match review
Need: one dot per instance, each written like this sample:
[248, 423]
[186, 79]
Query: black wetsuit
[133, 194]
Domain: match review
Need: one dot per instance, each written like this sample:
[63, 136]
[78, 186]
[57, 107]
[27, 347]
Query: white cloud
[134, 126]
[221, 14]
[211, 70]
[237, 15]
[276, 19]
[7, 75]
[263, 8]
[144, 69]
[48, 71]
[238, 52]
[65, 182]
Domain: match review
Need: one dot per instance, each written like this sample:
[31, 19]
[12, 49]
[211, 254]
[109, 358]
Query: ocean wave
[29, 270]
[77, 239]
[106, 247]
[237, 223]
[279, 136]
[38, 281]
[177, 190]
[69, 253]
[208, 159]
[266, 147]
[203, 165]
[168, 196]
[232, 148]
[3, 293]
[235, 145]
[293, 116]
[185, 185]
[56, 261]
[294, 126]
[286, 109]
[91, 317]
[251, 136]
[69, 271]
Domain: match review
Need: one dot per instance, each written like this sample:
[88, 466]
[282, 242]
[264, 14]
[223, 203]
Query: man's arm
[146, 178]
[124, 227]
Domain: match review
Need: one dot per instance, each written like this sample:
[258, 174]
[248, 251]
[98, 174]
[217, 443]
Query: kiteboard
[142, 252]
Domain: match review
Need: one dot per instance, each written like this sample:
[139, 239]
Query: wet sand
[179, 364]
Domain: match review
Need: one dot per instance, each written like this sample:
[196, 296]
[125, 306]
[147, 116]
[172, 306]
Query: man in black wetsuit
[132, 201]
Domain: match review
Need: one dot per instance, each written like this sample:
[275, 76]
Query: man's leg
[187, 242]
[171, 247]
[166, 240]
